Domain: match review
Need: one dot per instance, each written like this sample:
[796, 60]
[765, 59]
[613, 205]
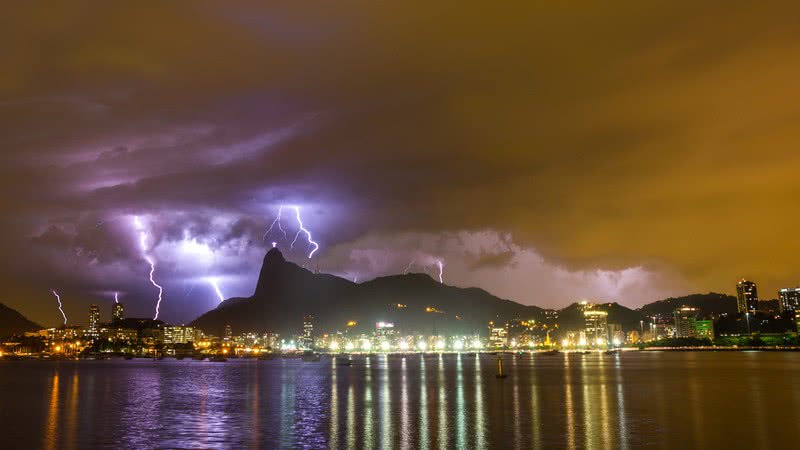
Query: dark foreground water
[632, 400]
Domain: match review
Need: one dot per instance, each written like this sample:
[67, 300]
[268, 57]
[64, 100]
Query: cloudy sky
[544, 151]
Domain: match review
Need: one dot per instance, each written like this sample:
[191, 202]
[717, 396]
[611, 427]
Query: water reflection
[443, 401]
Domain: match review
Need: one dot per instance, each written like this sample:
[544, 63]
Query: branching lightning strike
[274, 222]
[303, 230]
[58, 298]
[441, 271]
[143, 245]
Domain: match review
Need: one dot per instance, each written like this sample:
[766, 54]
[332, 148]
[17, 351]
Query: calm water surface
[631, 400]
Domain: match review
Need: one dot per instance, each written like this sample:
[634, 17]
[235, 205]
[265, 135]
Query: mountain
[12, 322]
[416, 303]
[711, 303]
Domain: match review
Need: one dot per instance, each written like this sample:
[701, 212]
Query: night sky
[546, 153]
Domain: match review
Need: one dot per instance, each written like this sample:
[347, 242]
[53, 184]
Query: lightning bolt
[116, 297]
[58, 298]
[143, 245]
[303, 230]
[441, 270]
[277, 221]
[408, 267]
[215, 284]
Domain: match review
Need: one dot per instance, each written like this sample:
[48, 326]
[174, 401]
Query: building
[117, 312]
[94, 322]
[789, 299]
[307, 340]
[178, 334]
[746, 297]
[704, 329]
[498, 336]
[685, 319]
[595, 326]
[228, 333]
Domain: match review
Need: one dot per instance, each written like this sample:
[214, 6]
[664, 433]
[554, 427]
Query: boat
[549, 352]
[218, 358]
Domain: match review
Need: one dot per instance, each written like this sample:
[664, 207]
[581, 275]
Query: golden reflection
[369, 409]
[51, 432]
[568, 405]
[386, 405]
[605, 426]
[442, 438]
[423, 406]
[623, 424]
[334, 432]
[351, 417]
[589, 421]
[480, 427]
[461, 426]
[515, 402]
[535, 412]
[405, 410]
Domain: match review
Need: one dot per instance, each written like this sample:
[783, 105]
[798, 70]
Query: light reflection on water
[669, 400]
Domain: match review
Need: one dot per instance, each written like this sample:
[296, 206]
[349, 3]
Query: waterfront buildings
[789, 299]
[180, 334]
[746, 297]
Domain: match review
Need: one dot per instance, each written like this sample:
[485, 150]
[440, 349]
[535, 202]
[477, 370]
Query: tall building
[308, 331]
[595, 326]
[789, 299]
[117, 312]
[498, 336]
[685, 321]
[746, 297]
[228, 332]
[94, 321]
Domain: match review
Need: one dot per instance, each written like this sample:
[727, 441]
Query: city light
[582, 342]
[385, 346]
[476, 344]
[458, 345]
[366, 345]
[601, 341]
[334, 345]
[349, 346]
[565, 343]
[440, 345]
[422, 345]
[403, 345]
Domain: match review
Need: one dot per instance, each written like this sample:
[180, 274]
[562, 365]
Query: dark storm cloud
[654, 138]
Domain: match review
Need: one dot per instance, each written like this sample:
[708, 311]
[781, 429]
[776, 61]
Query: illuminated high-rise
[789, 299]
[746, 297]
[94, 321]
[595, 326]
[685, 321]
[308, 331]
[117, 312]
